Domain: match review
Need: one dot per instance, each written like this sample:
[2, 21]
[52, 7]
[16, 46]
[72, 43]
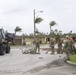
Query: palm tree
[52, 23]
[38, 20]
[17, 29]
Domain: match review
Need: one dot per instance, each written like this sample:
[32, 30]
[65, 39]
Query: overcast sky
[20, 13]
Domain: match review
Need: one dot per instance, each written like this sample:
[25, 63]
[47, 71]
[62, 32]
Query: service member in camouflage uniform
[38, 46]
[67, 47]
[60, 50]
[52, 46]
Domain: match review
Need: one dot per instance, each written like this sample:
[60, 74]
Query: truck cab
[4, 42]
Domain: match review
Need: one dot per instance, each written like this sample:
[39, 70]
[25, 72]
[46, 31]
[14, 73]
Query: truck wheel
[2, 49]
[7, 49]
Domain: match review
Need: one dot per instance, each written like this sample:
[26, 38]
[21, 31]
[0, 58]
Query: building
[27, 40]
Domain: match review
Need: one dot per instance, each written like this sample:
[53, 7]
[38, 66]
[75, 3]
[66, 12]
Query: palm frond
[17, 29]
[38, 20]
[52, 23]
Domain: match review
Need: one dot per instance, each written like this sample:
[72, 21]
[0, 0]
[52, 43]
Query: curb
[71, 63]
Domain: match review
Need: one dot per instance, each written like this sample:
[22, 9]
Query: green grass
[73, 58]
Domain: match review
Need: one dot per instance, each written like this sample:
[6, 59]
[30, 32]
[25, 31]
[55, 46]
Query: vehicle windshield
[2, 34]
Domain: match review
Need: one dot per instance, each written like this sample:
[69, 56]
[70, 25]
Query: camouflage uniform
[67, 47]
[60, 47]
[37, 46]
[52, 47]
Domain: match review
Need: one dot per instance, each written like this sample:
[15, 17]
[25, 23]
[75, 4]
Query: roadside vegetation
[73, 58]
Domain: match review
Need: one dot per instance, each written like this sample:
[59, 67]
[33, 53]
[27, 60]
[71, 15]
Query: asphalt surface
[17, 63]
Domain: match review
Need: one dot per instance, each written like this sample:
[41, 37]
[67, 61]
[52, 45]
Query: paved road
[17, 63]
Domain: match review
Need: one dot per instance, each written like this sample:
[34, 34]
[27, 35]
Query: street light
[34, 24]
